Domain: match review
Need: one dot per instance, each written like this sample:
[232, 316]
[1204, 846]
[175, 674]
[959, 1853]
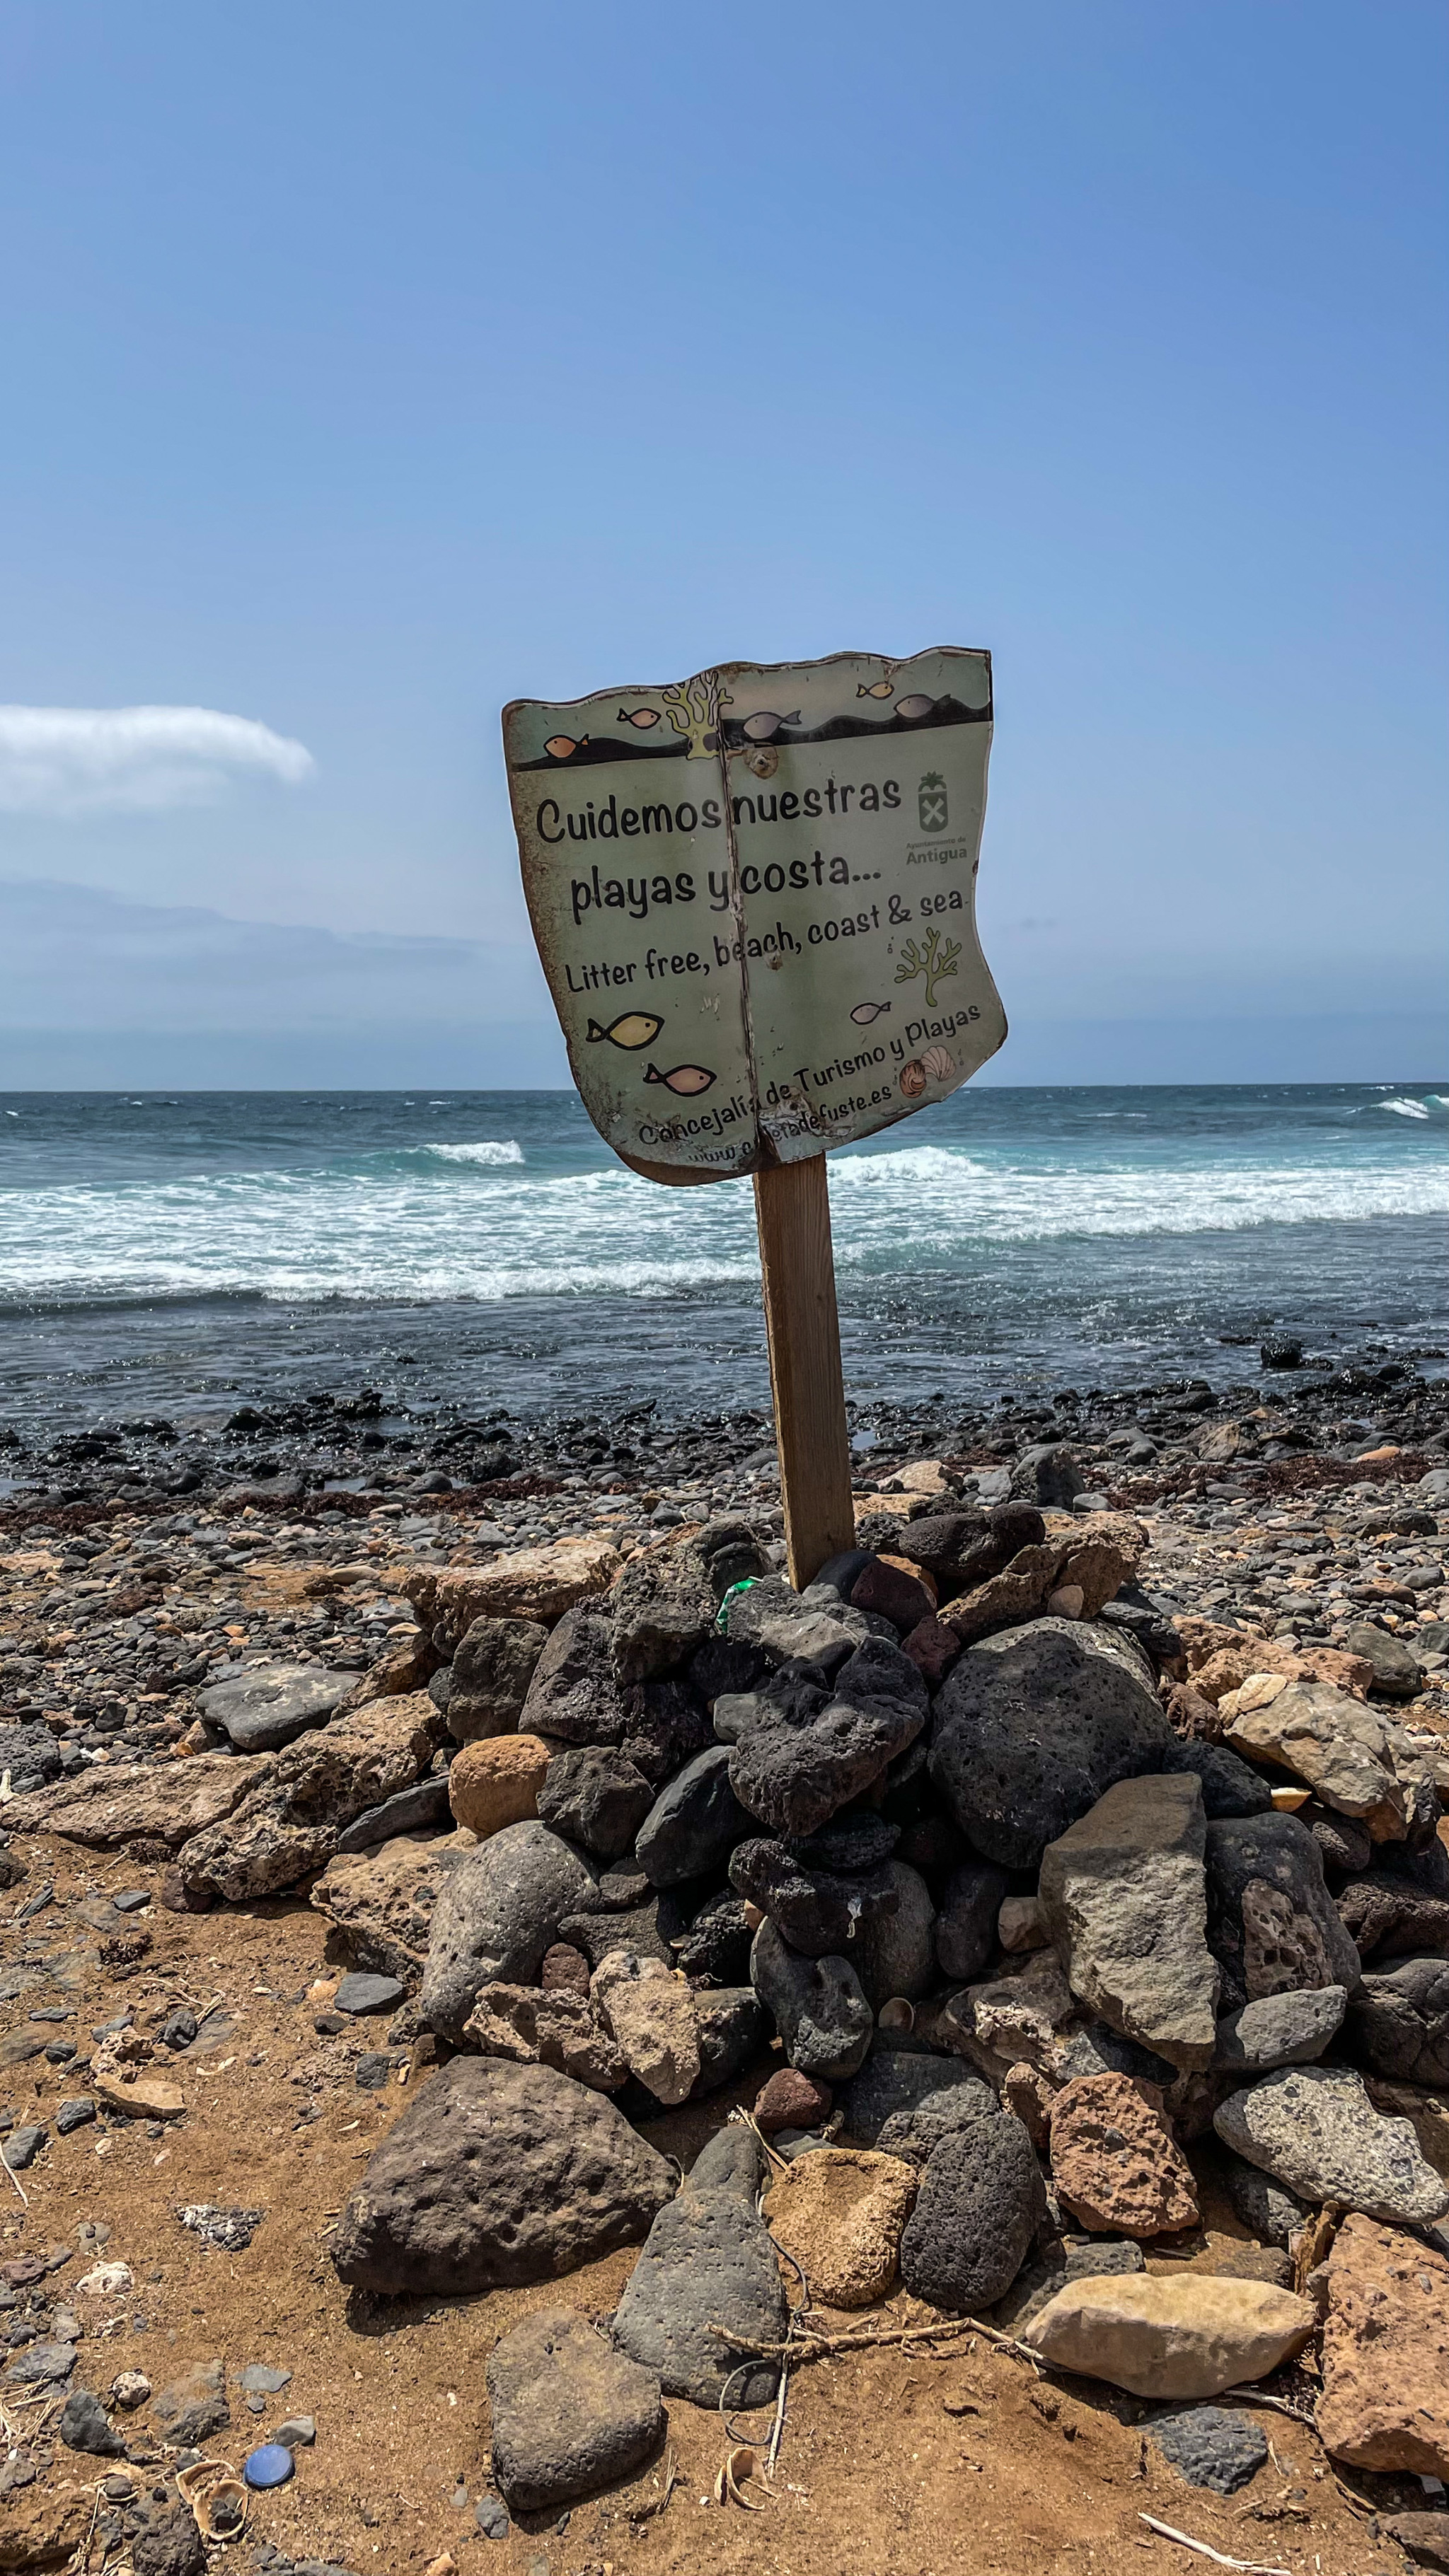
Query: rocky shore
[466, 1905]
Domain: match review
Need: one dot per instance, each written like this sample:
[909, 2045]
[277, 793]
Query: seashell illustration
[913, 1079]
[938, 1063]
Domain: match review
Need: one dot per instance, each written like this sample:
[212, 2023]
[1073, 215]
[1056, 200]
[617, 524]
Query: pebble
[1211, 2446]
[361, 1991]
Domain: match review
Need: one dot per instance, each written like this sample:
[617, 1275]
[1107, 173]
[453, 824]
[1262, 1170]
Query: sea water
[167, 1253]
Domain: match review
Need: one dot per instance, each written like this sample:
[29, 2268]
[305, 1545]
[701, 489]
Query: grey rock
[631, 1927]
[965, 1928]
[912, 2135]
[816, 1910]
[708, 2261]
[1063, 2259]
[1399, 2025]
[1315, 2130]
[663, 1608]
[851, 1845]
[665, 1725]
[491, 2515]
[818, 2007]
[714, 1945]
[894, 1953]
[794, 1776]
[1032, 1725]
[1398, 1673]
[496, 1914]
[694, 1824]
[775, 1620]
[1343, 1843]
[298, 2433]
[1230, 1786]
[1267, 2211]
[1124, 1893]
[193, 2408]
[409, 1811]
[1281, 2030]
[1272, 1924]
[490, 1677]
[732, 2030]
[897, 2080]
[261, 2379]
[1211, 2446]
[361, 1991]
[1048, 1474]
[85, 2426]
[24, 2144]
[981, 2201]
[42, 2365]
[569, 2414]
[272, 1702]
[1097, 2049]
[574, 1697]
[494, 2176]
[795, 1693]
[595, 1796]
[76, 2112]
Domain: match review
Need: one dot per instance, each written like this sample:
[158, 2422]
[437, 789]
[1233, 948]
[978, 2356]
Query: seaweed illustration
[934, 959]
[692, 707]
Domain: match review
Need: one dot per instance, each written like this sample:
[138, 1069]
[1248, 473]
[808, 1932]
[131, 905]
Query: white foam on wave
[1406, 1108]
[424, 1230]
[487, 1152]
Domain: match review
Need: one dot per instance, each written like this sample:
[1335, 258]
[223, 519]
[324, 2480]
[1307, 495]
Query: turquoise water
[161, 1252]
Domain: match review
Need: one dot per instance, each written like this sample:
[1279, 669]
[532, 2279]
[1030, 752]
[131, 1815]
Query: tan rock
[841, 2212]
[383, 1900]
[495, 1782]
[288, 1825]
[1066, 1602]
[1030, 2094]
[1114, 2163]
[140, 2097]
[1020, 1589]
[405, 1667]
[549, 2027]
[1220, 1659]
[1189, 2335]
[1385, 2401]
[923, 1476]
[530, 1583]
[1341, 1748]
[1021, 1924]
[158, 1802]
[648, 2010]
[1224, 1440]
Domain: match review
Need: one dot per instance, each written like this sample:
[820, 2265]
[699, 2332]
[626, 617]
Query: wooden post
[792, 1208]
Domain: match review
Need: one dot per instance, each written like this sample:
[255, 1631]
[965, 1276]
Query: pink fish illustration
[865, 1012]
[764, 726]
[686, 1079]
[914, 708]
[561, 746]
[643, 717]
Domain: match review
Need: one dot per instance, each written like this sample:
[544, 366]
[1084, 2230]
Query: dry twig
[1252, 2566]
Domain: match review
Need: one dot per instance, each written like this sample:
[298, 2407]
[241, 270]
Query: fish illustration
[561, 746]
[865, 1012]
[914, 708]
[631, 1029]
[913, 1079]
[643, 717]
[686, 1079]
[764, 726]
[877, 689]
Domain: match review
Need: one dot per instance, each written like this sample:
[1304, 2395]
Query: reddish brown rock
[933, 1648]
[792, 2101]
[496, 1782]
[1113, 2162]
[565, 1971]
[1385, 2401]
[898, 1591]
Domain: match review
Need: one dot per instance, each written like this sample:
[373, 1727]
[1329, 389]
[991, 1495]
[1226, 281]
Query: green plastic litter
[722, 1613]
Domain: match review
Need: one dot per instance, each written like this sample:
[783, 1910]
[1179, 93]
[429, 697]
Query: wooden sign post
[753, 894]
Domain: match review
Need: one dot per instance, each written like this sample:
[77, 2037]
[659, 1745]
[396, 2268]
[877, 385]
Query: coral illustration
[933, 959]
[692, 707]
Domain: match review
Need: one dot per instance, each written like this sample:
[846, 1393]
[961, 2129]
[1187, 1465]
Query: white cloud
[85, 760]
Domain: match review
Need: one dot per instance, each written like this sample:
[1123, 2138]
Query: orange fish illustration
[643, 717]
[631, 1029]
[865, 1012]
[687, 1079]
[914, 708]
[561, 746]
[877, 689]
[764, 726]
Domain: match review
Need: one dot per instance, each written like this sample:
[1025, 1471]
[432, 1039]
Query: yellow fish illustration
[914, 708]
[686, 1079]
[877, 689]
[561, 746]
[631, 1029]
[643, 717]
[764, 726]
[865, 1012]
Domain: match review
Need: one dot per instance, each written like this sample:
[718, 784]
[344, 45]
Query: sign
[753, 893]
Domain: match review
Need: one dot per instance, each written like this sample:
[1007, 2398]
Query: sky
[368, 367]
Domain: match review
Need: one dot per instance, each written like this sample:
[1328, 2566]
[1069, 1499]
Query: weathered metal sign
[753, 893]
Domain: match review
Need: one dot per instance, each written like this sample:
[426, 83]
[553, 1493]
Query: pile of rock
[1031, 1898]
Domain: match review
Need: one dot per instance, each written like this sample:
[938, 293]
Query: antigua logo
[931, 802]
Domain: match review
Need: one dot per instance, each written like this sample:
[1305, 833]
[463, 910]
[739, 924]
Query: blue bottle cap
[271, 2466]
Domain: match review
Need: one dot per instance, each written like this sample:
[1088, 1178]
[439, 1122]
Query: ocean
[171, 1253]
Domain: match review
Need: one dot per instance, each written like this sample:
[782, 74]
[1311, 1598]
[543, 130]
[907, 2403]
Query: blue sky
[368, 367]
